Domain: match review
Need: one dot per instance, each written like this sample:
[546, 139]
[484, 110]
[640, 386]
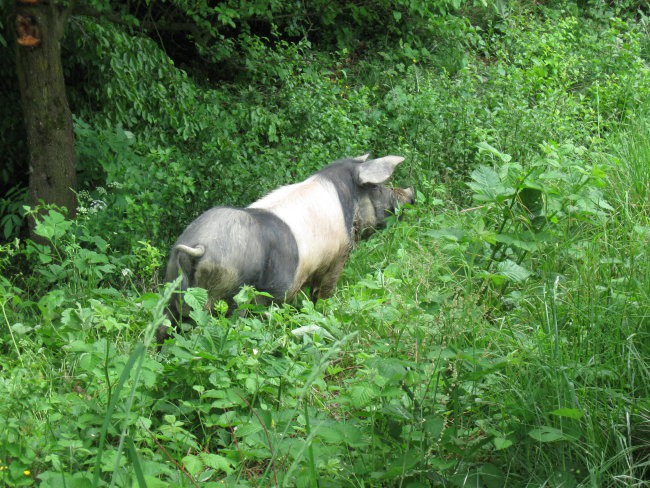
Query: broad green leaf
[512, 271]
[485, 147]
[501, 443]
[200, 316]
[216, 462]
[312, 330]
[451, 234]
[196, 298]
[354, 436]
[490, 476]
[149, 300]
[53, 226]
[363, 394]
[21, 329]
[522, 241]
[548, 434]
[193, 464]
[50, 479]
[433, 426]
[341, 433]
[604, 204]
[572, 413]
[395, 410]
[485, 182]
[151, 482]
[389, 368]
[441, 464]
[249, 429]
[330, 434]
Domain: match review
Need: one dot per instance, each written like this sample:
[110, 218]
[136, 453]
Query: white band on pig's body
[321, 241]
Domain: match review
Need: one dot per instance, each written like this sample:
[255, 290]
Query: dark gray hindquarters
[252, 246]
[278, 255]
[242, 247]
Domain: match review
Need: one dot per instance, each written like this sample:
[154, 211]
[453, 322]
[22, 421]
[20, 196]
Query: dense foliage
[496, 335]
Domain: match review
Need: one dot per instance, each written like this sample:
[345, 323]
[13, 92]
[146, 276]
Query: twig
[169, 456]
[268, 437]
[472, 209]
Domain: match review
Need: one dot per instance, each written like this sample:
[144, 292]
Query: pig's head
[376, 201]
[366, 199]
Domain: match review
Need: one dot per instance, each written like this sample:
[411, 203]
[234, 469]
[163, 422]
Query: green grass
[497, 334]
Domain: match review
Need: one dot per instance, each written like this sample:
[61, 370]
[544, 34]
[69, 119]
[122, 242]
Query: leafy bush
[299, 109]
[11, 208]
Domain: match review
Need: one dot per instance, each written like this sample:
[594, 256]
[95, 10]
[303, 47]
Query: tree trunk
[48, 121]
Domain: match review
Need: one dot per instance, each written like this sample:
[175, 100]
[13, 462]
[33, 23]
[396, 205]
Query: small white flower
[97, 205]
[126, 272]
[255, 352]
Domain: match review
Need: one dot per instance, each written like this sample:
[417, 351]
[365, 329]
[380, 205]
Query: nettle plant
[524, 208]
[67, 253]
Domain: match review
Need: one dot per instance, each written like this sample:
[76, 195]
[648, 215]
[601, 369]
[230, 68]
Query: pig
[298, 235]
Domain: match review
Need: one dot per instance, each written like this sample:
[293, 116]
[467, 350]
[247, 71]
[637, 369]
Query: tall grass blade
[137, 353]
[135, 460]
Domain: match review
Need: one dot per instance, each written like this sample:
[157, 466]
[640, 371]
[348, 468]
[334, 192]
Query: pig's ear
[361, 159]
[377, 171]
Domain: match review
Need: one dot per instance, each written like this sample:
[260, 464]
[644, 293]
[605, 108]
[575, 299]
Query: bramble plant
[530, 204]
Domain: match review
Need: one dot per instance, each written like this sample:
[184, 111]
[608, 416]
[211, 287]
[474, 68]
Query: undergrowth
[495, 334]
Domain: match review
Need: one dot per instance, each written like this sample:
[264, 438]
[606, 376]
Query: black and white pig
[298, 235]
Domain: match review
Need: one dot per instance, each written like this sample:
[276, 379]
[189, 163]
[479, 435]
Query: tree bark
[48, 121]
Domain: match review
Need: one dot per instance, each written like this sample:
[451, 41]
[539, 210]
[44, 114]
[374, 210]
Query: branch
[147, 25]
